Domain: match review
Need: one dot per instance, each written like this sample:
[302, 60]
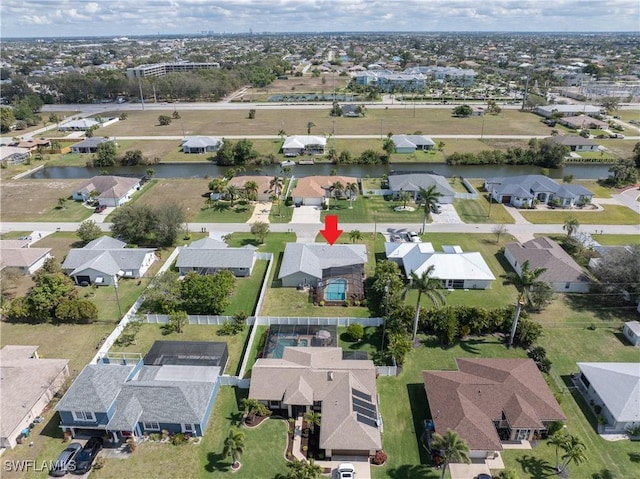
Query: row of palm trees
[338, 190]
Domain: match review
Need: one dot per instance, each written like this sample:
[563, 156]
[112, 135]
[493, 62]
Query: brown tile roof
[314, 186]
[305, 375]
[545, 253]
[21, 257]
[481, 391]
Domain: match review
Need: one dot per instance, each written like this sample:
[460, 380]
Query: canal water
[201, 170]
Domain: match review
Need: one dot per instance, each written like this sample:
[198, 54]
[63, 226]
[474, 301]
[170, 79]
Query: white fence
[193, 319]
[387, 370]
[234, 381]
[265, 281]
[376, 192]
[472, 195]
[314, 321]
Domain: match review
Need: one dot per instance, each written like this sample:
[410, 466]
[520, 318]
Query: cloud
[124, 17]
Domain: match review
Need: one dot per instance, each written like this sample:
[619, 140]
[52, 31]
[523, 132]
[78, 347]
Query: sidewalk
[261, 212]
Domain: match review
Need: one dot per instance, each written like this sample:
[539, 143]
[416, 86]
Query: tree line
[546, 154]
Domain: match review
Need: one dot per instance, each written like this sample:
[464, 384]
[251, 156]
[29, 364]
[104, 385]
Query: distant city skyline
[76, 18]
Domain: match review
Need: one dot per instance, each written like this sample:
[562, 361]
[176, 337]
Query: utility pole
[526, 92]
[141, 95]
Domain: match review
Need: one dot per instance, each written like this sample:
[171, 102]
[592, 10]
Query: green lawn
[222, 212]
[149, 333]
[617, 239]
[247, 290]
[611, 215]
[280, 213]
[596, 188]
[291, 302]
[477, 211]
[370, 342]
[370, 209]
[73, 211]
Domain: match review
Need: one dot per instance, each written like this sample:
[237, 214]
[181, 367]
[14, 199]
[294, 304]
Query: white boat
[287, 163]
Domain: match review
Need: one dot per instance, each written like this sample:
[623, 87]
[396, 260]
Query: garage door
[506, 199]
[313, 201]
[83, 279]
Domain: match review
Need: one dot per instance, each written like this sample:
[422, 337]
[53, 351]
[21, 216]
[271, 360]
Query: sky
[70, 18]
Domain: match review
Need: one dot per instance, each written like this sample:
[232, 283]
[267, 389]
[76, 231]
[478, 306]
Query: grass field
[294, 122]
[370, 209]
[611, 215]
[247, 290]
[37, 200]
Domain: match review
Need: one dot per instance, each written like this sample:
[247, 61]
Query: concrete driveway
[448, 215]
[306, 214]
[468, 471]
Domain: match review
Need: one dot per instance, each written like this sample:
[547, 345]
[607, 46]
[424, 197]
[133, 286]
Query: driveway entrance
[306, 214]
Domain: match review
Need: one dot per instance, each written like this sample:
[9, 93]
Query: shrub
[178, 439]
[597, 408]
[288, 201]
[379, 458]
[154, 436]
[355, 332]
[99, 462]
[555, 427]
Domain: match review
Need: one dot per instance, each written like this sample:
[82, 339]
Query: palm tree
[150, 172]
[574, 451]
[232, 192]
[282, 134]
[303, 469]
[309, 126]
[452, 448]
[251, 188]
[571, 226]
[355, 235]
[313, 419]
[337, 188]
[525, 280]
[428, 201]
[404, 196]
[430, 287]
[275, 185]
[234, 446]
[558, 441]
[352, 189]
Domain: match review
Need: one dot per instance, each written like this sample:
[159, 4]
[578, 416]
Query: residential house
[104, 260]
[615, 387]
[526, 190]
[82, 124]
[201, 144]
[34, 143]
[561, 271]
[318, 379]
[313, 264]
[12, 155]
[548, 111]
[631, 331]
[414, 181]
[455, 268]
[313, 190]
[263, 182]
[411, 143]
[173, 388]
[575, 143]
[296, 145]
[207, 256]
[111, 190]
[583, 122]
[88, 145]
[490, 401]
[27, 385]
[19, 256]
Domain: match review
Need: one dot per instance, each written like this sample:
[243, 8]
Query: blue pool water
[336, 290]
[282, 343]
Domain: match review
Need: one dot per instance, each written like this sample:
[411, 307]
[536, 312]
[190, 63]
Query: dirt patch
[25, 199]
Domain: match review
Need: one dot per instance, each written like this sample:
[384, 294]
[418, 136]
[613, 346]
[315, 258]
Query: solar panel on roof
[366, 420]
[364, 404]
[361, 395]
[364, 411]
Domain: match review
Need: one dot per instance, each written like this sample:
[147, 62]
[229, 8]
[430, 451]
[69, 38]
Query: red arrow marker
[331, 232]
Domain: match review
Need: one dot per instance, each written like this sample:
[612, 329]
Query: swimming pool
[336, 290]
[282, 343]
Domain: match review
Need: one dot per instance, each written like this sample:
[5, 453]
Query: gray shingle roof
[95, 388]
[215, 258]
[313, 258]
[108, 261]
[411, 141]
[546, 253]
[105, 242]
[534, 183]
[415, 181]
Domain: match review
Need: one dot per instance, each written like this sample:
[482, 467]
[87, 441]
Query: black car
[84, 459]
[61, 466]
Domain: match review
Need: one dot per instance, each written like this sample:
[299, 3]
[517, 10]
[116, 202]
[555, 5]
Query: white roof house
[81, 124]
[299, 144]
[201, 144]
[454, 267]
[616, 388]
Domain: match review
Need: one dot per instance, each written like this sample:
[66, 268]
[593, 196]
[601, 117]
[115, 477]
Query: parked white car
[346, 471]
